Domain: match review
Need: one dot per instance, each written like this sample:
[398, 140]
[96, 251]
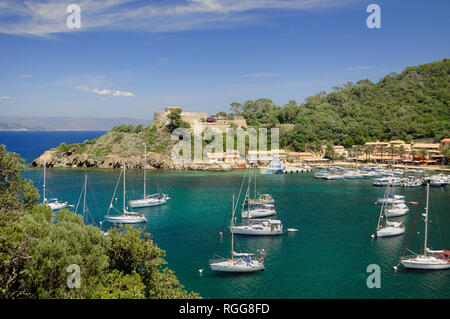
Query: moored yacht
[264, 227]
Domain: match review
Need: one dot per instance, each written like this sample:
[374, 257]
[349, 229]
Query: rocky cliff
[124, 144]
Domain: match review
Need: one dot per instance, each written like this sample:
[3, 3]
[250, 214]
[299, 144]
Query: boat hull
[390, 231]
[396, 212]
[126, 220]
[257, 213]
[426, 263]
[146, 203]
[235, 266]
[258, 231]
[56, 206]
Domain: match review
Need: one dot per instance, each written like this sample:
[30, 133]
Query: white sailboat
[127, 217]
[148, 200]
[53, 203]
[239, 262]
[257, 208]
[390, 228]
[396, 210]
[261, 227]
[430, 259]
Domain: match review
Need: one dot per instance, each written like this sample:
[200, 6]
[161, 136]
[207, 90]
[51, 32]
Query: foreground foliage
[37, 246]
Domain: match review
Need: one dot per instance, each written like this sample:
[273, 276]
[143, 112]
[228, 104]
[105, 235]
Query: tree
[15, 192]
[175, 121]
[401, 151]
[392, 150]
[37, 246]
[423, 154]
[382, 149]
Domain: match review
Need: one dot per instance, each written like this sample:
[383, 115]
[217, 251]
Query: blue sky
[132, 58]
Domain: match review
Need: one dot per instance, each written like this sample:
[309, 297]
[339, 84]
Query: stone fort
[191, 117]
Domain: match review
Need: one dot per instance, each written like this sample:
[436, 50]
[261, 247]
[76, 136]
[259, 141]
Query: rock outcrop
[114, 148]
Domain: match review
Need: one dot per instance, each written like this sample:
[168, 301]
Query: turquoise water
[327, 258]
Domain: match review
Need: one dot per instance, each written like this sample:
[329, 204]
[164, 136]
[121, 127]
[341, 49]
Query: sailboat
[262, 227]
[53, 203]
[430, 259]
[257, 208]
[238, 262]
[127, 217]
[390, 228]
[396, 210]
[148, 200]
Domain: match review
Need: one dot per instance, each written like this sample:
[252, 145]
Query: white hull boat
[426, 263]
[396, 210]
[239, 262]
[258, 213]
[151, 200]
[236, 265]
[148, 200]
[266, 227]
[57, 205]
[126, 219]
[388, 231]
[430, 259]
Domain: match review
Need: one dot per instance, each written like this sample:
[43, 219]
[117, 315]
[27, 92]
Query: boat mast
[382, 205]
[124, 198]
[84, 200]
[426, 220]
[45, 164]
[232, 230]
[145, 164]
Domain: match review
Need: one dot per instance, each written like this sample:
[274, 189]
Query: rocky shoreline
[57, 159]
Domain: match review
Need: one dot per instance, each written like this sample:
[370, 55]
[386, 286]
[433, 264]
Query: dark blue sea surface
[31, 144]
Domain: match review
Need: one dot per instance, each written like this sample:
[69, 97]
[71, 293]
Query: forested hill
[411, 105]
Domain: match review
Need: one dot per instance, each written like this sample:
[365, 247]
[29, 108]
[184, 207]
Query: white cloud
[105, 91]
[48, 17]
[5, 97]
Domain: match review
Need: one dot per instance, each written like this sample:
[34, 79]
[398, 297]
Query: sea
[331, 256]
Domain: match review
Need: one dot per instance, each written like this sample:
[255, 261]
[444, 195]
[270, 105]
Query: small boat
[275, 167]
[148, 200]
[127, 217]
[390, 228]
[334, 177]
[391, 200]
[430, 259]
[396, 210]
[53, 203]
[257, 211]
[321, 175]
[243, 263]
[239, 262]
[262, 227]
[262, 200]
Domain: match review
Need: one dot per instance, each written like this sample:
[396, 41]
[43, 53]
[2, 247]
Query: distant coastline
[65, 123]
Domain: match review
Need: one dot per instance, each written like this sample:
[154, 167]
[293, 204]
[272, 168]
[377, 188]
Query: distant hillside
[411, 105]
[12, 123]
[17, 127]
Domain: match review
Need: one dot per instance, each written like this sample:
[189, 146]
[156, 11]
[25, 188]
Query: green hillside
[411, 105]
